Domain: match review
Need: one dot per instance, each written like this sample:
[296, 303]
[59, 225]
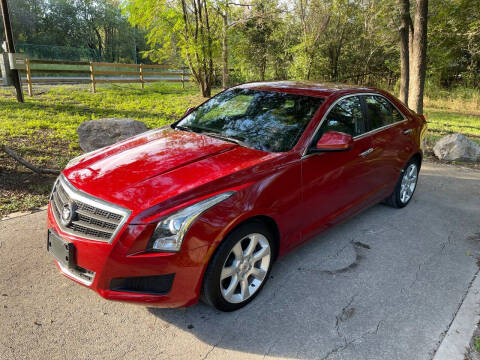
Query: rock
[95, 134]
[457, 147]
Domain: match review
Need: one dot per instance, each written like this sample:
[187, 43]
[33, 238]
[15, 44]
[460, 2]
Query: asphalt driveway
[384, 285]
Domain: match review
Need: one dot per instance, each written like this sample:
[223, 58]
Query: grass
[43, 129]
[443, 122]
[59, 110]
[452, 111]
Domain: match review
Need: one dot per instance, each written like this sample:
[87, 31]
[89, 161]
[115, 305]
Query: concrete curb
[457, 339]
[22, 213]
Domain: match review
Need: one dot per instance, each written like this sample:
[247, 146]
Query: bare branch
[28, 165]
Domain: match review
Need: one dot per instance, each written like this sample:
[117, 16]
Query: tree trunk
[225, 48]
[209, 54]
[404, 31]
[418, 61]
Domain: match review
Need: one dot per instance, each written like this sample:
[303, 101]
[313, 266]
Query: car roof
[307, 88]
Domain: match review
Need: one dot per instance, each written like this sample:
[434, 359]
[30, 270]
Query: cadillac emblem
[68, 213]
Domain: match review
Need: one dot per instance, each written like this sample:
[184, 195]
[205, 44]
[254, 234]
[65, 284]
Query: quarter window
[346, 117]
[381, 112]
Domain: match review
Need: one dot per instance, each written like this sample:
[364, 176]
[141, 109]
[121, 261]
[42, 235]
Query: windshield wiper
[194, 129]
[234, 139]
[239, 140]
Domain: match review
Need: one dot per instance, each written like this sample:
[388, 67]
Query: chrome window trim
[379, 129]
[371, 132]
[76, 194]
[67, 271]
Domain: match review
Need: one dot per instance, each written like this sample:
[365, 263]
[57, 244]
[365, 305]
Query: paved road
[384, 285]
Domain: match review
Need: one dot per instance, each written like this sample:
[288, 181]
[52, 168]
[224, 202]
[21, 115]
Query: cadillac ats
[202, 208]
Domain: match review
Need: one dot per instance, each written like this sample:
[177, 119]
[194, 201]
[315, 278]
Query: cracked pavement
[386, 284]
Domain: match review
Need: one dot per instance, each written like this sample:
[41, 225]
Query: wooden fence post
[92, 77]
[29, 77]
[183, 77]
[141, 76]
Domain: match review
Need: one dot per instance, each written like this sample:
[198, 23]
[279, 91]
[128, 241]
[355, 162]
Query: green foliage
[180, 29]
[476, 343]
[258, 44]
[353, 41]
[333, 40]
[164, 25]
[95, 25]
[454, 42]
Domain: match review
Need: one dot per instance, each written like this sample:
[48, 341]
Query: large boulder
[457, 147]
[95, 134]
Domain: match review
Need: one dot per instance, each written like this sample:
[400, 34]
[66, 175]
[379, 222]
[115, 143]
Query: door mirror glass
[334, 141]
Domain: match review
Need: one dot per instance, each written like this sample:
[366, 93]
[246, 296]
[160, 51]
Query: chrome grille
[92, 218]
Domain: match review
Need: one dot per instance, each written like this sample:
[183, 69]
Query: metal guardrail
[100, 72]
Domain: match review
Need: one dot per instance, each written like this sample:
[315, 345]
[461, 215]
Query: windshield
[263, 120]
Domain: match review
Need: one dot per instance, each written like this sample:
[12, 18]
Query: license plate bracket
[63, 251]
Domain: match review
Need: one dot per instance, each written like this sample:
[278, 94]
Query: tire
[406, 185]
[239, 268]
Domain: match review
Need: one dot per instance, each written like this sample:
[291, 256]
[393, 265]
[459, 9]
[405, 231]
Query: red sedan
[202, 208]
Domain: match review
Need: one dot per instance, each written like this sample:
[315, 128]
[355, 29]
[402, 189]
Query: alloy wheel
[245, 269]
[409, 182]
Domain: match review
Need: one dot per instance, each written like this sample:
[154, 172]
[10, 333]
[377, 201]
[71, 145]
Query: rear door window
[380, 112]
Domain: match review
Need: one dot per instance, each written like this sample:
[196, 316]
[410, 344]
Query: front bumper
[117, 271]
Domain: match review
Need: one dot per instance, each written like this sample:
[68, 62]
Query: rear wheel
[405, 187]
[239, 268]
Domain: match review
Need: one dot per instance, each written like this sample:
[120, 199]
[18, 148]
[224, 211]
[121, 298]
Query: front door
[335, 184]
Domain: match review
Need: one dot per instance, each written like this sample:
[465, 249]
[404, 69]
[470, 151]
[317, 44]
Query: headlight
[169, 233]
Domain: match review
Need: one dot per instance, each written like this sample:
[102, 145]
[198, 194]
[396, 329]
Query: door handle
[366, 152]
[408, 131]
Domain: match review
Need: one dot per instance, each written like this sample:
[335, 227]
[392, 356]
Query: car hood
[160, 164]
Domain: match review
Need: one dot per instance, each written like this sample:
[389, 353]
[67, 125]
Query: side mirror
[188, 111]
[334, 141]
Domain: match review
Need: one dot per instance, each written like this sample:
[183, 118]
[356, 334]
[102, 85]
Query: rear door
[391, 140]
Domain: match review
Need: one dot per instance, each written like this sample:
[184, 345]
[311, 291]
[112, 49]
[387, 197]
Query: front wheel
[405, 187]
[239, 268]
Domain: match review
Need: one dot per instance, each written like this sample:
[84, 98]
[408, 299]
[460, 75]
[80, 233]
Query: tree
[93, 24]
[454, 43]
[181, 27]
[260, 29]
[413, 53]
[225, 12]
[406, 27]
[418, 60]
[314, 16]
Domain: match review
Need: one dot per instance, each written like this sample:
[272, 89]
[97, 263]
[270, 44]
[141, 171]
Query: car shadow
[291, 309]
